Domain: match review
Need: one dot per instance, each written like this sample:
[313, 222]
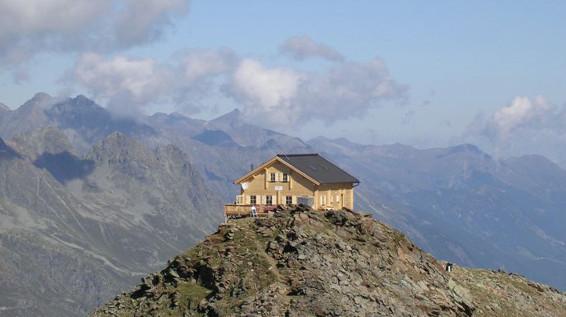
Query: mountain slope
[336, 263]
[90, 123]
[29, 116]
[121, 208]
[3, 107]
[248, 134]
[45, 252]
[81, 119]
[208, 144]
[461, 204]
[70, 237]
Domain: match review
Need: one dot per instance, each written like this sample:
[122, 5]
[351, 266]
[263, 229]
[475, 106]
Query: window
[323, 200]
[285, 178]
[269, 200]
[253, 200]
[273, 177]
[288, 200]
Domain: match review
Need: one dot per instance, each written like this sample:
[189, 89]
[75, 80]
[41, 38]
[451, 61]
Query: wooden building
[289, 179]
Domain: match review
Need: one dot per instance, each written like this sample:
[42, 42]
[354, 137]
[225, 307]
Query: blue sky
[456, 59]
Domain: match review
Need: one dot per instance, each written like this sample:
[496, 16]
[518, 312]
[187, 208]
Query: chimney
[251, 167]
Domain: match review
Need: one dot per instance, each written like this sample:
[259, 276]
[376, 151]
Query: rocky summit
[336, 263]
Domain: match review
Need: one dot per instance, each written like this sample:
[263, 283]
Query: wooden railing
[234, 210]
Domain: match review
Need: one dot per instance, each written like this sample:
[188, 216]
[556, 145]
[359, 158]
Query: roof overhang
[269, 162]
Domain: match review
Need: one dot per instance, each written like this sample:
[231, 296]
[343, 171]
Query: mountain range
[90, 201]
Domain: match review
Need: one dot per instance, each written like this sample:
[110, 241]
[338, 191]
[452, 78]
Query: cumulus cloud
[524, 126]
[521, 113]
[285, 97]
[199, 65]
[265, 91]
[281, 96]
[123, 82]
[304, 47]
[33, 26]
[129, 85]
[142, 21]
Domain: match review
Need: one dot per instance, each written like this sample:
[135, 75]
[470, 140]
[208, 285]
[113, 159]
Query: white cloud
[524, 126]
[34, 26]
[349, 90]
[275, 96]
[264, 89]
[520, 112]
[34, 16]
[129, 85]
[122, 82]
[283, 96]
[303, 47]
[141, 21]
[203, 64]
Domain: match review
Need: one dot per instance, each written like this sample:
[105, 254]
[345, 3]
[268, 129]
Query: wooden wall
[331, 196]
[260, 185]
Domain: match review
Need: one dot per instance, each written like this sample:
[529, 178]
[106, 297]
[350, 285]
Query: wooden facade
[279, 182]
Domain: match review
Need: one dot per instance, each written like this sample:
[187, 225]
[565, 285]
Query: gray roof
[319, 168]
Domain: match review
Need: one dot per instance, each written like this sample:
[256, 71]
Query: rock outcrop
[337, 263]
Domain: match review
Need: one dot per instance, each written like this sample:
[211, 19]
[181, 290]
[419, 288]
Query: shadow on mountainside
[65, 166]
[6, 152]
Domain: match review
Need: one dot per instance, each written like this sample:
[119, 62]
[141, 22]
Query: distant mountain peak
[117, 146]
[235, 112]
[78, 104]
[466, 147]
[92, 121]
[234, 117]
[83, 102]
[40, 100]
[3, 107]
[41, 96]
[82, 99]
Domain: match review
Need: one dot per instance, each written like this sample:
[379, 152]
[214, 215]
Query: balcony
[237, 211]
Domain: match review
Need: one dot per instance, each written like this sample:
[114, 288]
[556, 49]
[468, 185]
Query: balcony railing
[235, 210]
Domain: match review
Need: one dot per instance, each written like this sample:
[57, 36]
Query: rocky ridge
[337, 263]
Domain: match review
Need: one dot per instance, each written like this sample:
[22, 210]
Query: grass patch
[191, 294]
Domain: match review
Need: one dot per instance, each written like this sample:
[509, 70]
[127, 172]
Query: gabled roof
[312, 166]
[319, 168]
